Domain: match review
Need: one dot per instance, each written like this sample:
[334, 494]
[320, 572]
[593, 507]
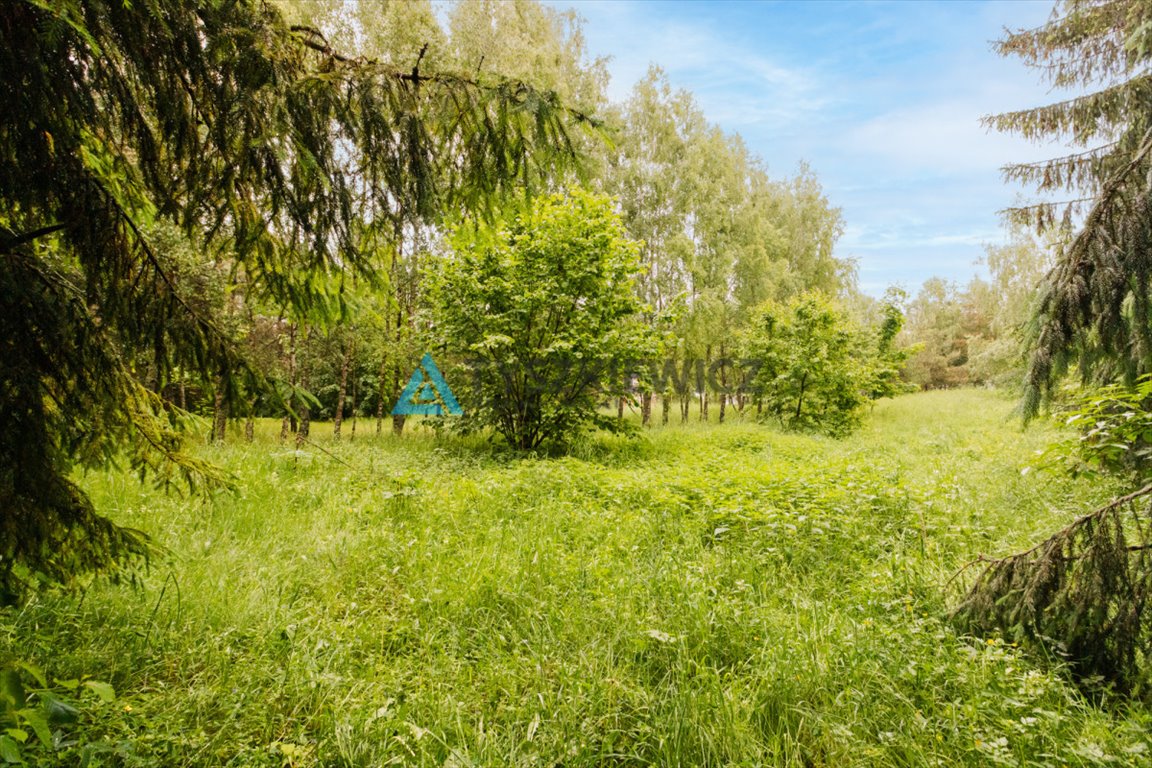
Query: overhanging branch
[12, 241]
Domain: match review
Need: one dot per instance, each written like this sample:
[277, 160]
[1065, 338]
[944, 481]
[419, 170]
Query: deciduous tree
[810, 364]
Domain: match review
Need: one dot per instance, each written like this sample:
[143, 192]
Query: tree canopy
[253, 136]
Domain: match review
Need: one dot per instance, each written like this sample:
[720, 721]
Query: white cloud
[941, 137]
[887, 241]
[735, 84]
[883, 100]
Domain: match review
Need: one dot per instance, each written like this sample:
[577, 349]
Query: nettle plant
[38, 720]
[1114, 426]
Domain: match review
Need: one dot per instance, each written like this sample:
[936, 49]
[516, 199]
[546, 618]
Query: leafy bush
[539, 311]
[1115, 433]
[815, 367]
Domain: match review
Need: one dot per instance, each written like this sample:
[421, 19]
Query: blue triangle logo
[427, 394]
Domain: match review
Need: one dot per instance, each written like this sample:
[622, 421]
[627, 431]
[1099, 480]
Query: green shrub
[540, 311]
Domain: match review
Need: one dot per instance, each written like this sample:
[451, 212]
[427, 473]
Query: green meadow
[703, 595]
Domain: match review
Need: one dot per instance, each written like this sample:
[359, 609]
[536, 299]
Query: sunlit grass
[704, 595]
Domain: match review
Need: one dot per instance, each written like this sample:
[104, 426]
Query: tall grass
[706, 595]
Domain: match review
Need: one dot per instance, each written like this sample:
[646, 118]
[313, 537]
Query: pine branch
[206, 324]
[312, 38]
[1036, 207]
[12, 241]
[1065, 158]
[1113, 186]
[1080, 311]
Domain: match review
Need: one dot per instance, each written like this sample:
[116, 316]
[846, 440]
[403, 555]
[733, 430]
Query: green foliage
[269, 148]
[1093, 307]
[1114, 433]
[1016, 271]
[974, 334]
[811, 371]
[886, 363]
[541, 310]
[1080, 595]
[718, 236]
[529, 41]
[36, 721]
[943, 322]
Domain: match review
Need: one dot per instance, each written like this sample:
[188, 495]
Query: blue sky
[882, 99]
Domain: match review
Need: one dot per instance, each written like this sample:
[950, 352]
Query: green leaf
[11, 689]
[105, 691]
[35, 671]
[38, 722]
[59, 711]
[10, 751]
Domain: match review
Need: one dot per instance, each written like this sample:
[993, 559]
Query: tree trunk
[397, 420]
[665, 406]
[219, 413]
[305, 426]
[341, 396]
[289, 424]
[704, 385]
[723, 385]
[620, 408]
[645, 408]
[250, 427]
[383, 393]
[355, 407]
[800, 399]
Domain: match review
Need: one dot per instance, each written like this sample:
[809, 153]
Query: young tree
[887, 359]
[250, 134]
[811, 364]
[1094, 305]
[540, 312]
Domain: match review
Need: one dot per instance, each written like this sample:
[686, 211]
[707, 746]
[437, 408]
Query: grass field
[708, 595]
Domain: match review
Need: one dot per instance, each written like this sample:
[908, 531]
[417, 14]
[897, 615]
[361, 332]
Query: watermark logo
[553, 375]
[427, 394]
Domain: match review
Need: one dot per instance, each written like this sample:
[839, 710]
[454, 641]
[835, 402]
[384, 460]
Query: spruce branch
[1079, 594]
